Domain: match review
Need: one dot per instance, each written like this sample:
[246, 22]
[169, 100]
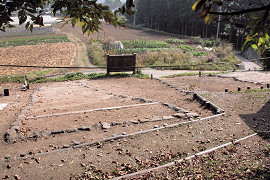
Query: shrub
[209, 43]
[163, 58]
[97, 55]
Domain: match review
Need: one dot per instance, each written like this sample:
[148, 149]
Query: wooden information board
[121, 63]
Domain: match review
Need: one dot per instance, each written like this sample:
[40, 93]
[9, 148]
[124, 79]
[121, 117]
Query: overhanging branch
[242, 11]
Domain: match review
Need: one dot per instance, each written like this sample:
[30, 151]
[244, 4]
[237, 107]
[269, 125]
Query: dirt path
[81, 59]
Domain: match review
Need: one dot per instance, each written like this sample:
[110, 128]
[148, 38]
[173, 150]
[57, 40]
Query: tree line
[176, 16]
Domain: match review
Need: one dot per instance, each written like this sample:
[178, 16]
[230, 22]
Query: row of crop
[175, 41]
[144, 44]
[33, 41]
[140, 50]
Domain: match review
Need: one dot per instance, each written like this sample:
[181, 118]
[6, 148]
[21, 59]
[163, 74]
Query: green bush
[97, 55]
[162, 58]
[209, 43]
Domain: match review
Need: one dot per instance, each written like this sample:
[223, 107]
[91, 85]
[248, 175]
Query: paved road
[247, 64]
[160, 73]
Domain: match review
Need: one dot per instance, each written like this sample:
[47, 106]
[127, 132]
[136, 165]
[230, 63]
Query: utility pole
[219, 16]
[134, 16]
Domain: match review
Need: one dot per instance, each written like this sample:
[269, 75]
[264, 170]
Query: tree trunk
[182, 28]
[186, 29]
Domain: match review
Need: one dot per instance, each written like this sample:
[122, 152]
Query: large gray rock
[250, 53]
[192, 115]
[105, 125]
[180, 115]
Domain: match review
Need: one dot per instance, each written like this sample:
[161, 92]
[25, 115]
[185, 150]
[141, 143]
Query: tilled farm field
[57, 54]
[113, 127]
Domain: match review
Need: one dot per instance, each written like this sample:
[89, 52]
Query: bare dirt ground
[244, 114]
[116, 34]
[59, 116]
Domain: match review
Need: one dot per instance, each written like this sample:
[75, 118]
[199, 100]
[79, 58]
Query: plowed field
[59, 54]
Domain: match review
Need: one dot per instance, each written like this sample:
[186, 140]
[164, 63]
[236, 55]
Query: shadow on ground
[260, 121]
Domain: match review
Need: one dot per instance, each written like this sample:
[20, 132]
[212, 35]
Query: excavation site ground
[130, 128]
[107, 128]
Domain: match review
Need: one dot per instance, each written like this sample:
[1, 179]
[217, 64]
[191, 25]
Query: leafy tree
[87, 13]
[257, 12]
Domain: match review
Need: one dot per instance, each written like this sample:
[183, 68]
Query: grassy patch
[33, 41]
[190, 74]
[79, 75]
[70, 77]
[252, 91]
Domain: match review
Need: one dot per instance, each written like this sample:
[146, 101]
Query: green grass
[190, 74]
[79, 75]
[251, 91]
[70, 77]
[33, 41]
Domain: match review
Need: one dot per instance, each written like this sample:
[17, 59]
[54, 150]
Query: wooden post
[108, 71]
[26, 82]
[134, 69]
[6, 92]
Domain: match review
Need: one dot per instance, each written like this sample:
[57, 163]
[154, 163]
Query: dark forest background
[176, 16]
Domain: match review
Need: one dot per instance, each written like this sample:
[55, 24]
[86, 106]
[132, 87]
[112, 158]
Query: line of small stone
[196, 96]
[11, 134]
[180, 160]
[77, 144]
